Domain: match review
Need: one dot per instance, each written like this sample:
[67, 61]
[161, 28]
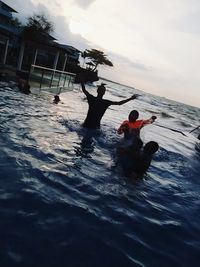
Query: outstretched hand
[135, 96]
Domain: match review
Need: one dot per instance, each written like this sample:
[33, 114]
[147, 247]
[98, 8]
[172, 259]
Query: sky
[154, 45]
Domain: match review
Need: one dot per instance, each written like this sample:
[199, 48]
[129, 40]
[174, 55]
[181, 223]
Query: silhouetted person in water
[98, 106]
[56, 99]
[136, 161]
[24, 86]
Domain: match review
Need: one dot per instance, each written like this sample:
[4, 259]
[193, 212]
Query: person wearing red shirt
[132, 126]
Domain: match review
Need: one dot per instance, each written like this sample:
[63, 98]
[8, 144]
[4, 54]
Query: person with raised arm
[98, 106]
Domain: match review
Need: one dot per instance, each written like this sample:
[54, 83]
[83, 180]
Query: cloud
[136, 65]
[84, 3]
[24, 8]
[153, 44]
[189, 23]
[62, 33]
[127, 63]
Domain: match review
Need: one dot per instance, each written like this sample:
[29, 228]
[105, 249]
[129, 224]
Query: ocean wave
[166, 115]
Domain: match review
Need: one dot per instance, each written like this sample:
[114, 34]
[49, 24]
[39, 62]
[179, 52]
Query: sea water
[63, 200]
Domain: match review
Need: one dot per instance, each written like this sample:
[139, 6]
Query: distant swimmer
[98, 106]
[132, 126]
[24, 86]
[135, 161]
[56, 99]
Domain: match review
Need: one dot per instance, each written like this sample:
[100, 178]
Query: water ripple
[65, 203]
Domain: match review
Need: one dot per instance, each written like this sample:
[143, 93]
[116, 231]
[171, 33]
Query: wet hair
[133, 115]
[151, 147]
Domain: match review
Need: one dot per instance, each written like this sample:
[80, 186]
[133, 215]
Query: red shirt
[134, 125]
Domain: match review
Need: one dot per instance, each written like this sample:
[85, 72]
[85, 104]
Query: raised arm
[124, 101]
[84, 90]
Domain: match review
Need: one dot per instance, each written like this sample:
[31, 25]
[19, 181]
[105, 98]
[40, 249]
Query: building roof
[29, 33]
[69, 48]
[7, 8]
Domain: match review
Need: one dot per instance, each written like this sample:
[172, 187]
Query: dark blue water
[64, 203]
